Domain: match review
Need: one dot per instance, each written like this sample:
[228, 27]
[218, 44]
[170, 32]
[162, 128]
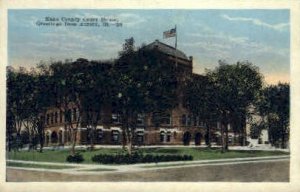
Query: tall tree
[200, 99]
[146, 83]
[274, 106]
[238, 86]
[96, 95]
[68, 84]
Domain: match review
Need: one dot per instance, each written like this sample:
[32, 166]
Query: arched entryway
[198, 138]
[54, 138]
[186, 138]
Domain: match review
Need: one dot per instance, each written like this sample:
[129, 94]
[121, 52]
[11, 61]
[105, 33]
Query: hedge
[138, 158]
[77, 158]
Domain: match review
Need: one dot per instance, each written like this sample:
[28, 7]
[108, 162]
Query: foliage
[77, 158]
[274, 106]
[145, 83]
[237, 86]
[138, 158]
[200, 100]
[28, 95]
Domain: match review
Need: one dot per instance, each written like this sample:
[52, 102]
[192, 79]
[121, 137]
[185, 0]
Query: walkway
[95, 169]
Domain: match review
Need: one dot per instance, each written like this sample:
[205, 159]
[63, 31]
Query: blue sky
[259, 36]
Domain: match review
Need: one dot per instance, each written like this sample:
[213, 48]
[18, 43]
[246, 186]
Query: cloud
[130, 20]
[226, 45]
[258, 22]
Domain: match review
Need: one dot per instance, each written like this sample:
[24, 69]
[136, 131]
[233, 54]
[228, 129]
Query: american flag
[170, 33]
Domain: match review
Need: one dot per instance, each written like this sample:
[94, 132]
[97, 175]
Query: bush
[77, 158]
[138, 158]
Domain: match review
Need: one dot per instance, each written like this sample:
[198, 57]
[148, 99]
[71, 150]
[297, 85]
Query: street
[262, 171]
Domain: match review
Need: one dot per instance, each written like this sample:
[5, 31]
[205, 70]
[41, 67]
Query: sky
[259, 36]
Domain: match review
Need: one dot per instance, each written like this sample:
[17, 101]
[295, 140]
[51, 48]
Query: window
[99, 134]
[56, 117]
[162, 136]
[189, 120]
[168, 136]
[48, 119]
[167, 119]
[140, 137]
[141, 119]
[115, 136]
[60, 116]
[195, 120]
[52, 115]
[115, 118]
[183, 119]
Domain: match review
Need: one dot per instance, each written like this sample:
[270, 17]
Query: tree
[96, 95]
[238, 86]
[200, 99]
[274, 106]
[28, 95]
[146, 83]
[68, 83]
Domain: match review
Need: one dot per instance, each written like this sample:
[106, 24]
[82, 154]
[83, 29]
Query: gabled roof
[167, 49]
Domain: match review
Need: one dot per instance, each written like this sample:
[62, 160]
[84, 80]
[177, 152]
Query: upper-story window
[48, 119]
[141, 119]
[195, 120]
[167, 119]
[115, 118]
[60, 116]
[52, 118]
[183, 119]
[189, 120]
[56, 117]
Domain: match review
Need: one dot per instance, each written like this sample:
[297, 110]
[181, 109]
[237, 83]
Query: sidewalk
[256, 148]
[82, 169]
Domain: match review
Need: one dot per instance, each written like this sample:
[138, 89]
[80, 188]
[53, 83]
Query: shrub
[138, 158]
[77, 158]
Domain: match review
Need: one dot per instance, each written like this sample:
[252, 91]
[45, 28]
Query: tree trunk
[208, 135]
[226, 138]
[73, 142]
[283, 138]
[222, 138]
[92, 138]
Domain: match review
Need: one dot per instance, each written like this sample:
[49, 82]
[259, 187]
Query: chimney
[191, 58]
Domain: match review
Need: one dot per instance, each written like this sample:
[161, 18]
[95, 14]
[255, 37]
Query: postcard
[142, 96]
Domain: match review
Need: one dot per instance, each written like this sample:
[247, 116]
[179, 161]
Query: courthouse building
[178, 127]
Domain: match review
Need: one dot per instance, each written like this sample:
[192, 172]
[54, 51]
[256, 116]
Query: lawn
[197, 153]
[30, 165]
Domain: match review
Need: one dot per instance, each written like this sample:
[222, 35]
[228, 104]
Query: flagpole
[175, 46]
[175, 38]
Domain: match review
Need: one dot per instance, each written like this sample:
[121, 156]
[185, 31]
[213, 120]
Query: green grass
[197, 153]
[30, 165]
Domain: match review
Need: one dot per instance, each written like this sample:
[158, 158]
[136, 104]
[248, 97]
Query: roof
[167, 49]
